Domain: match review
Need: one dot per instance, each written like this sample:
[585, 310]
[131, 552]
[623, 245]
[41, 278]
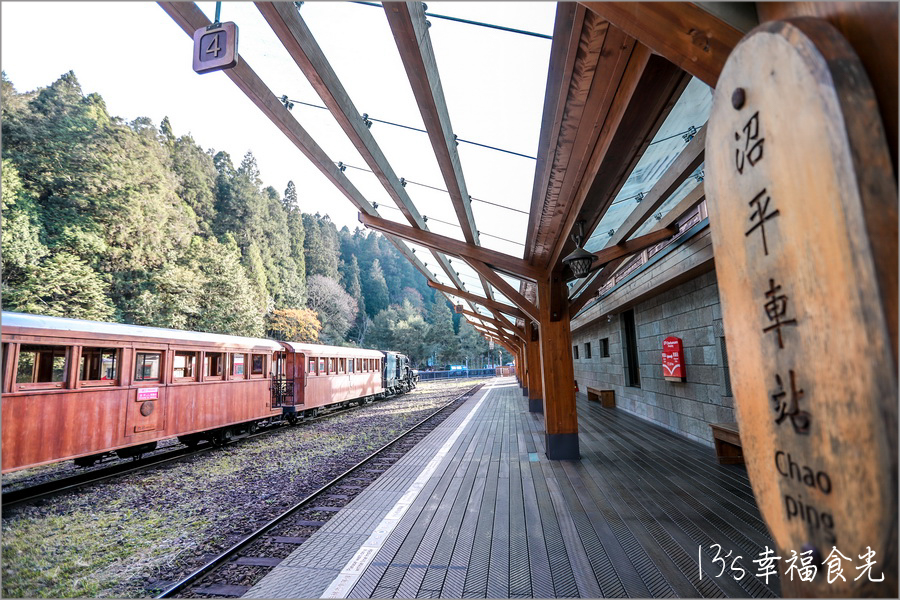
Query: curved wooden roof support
[506, 342]
[190, 18]
[500, 324]
[407, 22]
[689, 202]
[683, 32]
[505, 308]
[504, 288]
[689, 159]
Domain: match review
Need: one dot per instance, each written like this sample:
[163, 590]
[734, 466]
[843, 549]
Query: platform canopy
[479, 169]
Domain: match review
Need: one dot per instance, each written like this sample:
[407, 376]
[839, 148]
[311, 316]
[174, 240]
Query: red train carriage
[311, 376]
[74, 388]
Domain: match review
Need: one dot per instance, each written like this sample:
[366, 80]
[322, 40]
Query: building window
[587, 350]
[728, 391]
[44, 365]
[632, 365]
[237, 366]
[99, 366]
[604, 348]
[146, 366]
[214, 365]
[575, 351]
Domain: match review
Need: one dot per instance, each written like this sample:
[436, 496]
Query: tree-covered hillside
[117, 220]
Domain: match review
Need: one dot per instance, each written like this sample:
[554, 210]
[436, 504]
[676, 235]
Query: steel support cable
[437, 189]
[470, 22]
[290, 102]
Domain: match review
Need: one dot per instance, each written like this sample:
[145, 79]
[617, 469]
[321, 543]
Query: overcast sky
[136, 57]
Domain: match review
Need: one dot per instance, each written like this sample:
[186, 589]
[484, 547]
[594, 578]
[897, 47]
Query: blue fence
[465, 373]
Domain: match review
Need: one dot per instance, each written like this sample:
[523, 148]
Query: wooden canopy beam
[683, 32]
[649, 88]
[500, 324]
[190, 18]
[504, 288]
[510, 310]
[629, 247]
[407, 22]
[689, 159]
[667, 224]
[497, 260]
[506, 342]
[294, 34]
[563, 51]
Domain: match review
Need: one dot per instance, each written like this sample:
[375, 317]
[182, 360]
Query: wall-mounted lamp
[580, 260]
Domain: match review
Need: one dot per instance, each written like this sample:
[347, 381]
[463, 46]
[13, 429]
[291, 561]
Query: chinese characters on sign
[803, 565]
[747, 156]
[751, 154]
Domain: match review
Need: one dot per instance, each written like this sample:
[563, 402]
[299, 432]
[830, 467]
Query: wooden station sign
[215, 47]
[803, 215]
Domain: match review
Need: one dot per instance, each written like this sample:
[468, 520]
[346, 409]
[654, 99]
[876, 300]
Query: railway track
[125, 466]
[234, 571]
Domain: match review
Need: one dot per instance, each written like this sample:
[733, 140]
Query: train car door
[282, 380]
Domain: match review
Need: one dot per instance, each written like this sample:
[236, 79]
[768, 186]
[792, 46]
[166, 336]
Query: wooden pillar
[533, 348]
[560, 419]
[522, 368]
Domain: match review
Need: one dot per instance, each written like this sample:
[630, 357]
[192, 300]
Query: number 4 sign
[215, 47]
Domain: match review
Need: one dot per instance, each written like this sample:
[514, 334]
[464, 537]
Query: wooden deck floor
[477, 511]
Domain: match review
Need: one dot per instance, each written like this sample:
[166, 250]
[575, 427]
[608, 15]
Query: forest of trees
[121, 221]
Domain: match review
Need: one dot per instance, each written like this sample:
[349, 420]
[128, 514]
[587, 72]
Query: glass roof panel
[480, 70]
[691, 110]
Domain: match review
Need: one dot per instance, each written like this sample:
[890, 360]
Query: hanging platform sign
[215, 47]
[673, 359]
[803, 216]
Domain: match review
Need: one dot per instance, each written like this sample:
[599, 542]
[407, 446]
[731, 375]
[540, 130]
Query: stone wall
[690, 311]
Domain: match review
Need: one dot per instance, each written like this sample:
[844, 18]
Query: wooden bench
[606, 398]
[727, 438]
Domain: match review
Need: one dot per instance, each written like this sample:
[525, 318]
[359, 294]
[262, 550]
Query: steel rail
[225, 556]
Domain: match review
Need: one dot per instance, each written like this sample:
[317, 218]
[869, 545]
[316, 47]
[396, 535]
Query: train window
[332, 369]
[185, 365]
[146, 366]
[258, 364]
[311, 366]
[352, 365]
[343, 365]
[213, 365]
[99, 366]
[237, 366]
[321, 370]
[42, 364]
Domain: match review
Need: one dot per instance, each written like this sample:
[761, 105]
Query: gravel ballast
[130, 536]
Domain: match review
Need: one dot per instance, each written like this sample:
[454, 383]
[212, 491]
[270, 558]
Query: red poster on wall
[673, 359]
